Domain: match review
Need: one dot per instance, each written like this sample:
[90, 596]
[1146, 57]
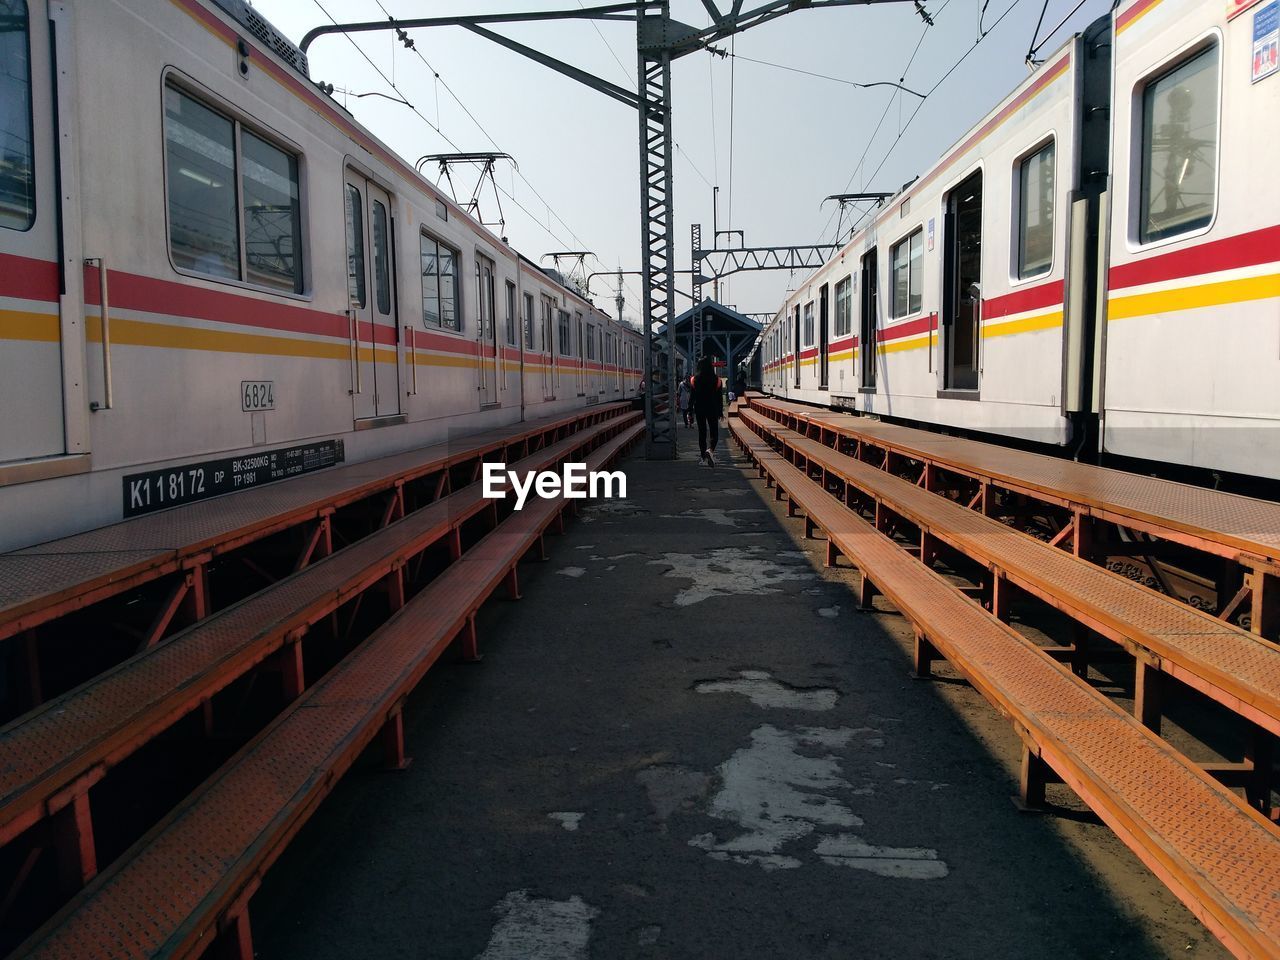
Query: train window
[808, 323]
[1035, 213]
[844, 307]
[442, 209]
[381, 259]
[235, 209]
[528, 321]
[17, 161]
[355, 246]
[591, 342]
[511, 313]
[562, 321]
[907, 266]
[439, 284]
[200, 147]
[272, 215]
[1179, 148]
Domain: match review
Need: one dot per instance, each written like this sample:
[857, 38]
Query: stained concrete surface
[685, 742]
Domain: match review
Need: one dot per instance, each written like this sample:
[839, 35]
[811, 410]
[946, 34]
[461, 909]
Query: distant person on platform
[707, 408]
[684, 400]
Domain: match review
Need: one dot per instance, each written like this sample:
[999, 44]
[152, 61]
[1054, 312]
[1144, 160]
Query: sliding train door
[31, 361]
[372, 301]
[823, 336]
[486, 331]
[868, 328]
[962, 285]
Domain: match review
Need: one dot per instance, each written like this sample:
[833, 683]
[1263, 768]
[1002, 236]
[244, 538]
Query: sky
[774, 140]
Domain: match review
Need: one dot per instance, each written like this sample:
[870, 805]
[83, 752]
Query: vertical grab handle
[355, 349]
[413, 356]
[104, 302]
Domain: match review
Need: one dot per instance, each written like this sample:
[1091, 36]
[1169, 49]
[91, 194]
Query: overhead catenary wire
[1036, 47]
[613, 53]
[823, 76]
[941, 80]
[465, 109]
[879, 123]
[423, 118]
[693, 165]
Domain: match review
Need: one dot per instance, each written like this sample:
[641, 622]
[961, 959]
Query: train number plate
[257, 395]
[157, 489]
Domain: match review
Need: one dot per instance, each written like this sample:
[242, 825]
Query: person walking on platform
[707, 409]
[684, 400]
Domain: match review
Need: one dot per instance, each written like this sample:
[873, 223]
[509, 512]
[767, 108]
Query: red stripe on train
[28, 279]
[1020, 301]
[1244, 250]
[133, 292]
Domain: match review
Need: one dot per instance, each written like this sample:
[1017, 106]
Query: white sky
[795, 138]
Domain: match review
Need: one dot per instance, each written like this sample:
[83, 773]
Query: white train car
[203, 257]
[1192, 338]
[1098, 262]
[948, 307]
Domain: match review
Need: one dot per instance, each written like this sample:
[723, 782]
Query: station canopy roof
[727, 334]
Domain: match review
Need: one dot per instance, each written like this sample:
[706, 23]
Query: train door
[822, 336]
[548, 345]
[31, 380]
[797, 344]
[962, 285]
[868, 333]
[486, 331]
[371, 295]
[582, 353]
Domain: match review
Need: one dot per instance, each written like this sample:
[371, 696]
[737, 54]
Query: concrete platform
[685, 742]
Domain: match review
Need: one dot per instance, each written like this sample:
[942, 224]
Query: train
[212, 276]
[1093, 268]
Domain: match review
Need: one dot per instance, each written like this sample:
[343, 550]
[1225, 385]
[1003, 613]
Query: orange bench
[51, 757]
[1241, 530]
[1232, 666]
[190, 878]
[46, 581]
[1217, 854]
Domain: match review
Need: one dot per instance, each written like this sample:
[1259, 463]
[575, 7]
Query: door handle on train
[355, 350]
[104, 303]
[413, 357]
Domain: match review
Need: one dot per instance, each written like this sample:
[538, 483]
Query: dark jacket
[706, 396]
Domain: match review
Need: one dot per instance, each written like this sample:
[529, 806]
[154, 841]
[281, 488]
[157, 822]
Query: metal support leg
[833, 554]
[866, 594]
[1083, 543]
[393, 741]
[1148, 685]
[471, 642]
[1260, 751]
[1035, 774]
[1080, 635]
[1001, 597]
[293, 678]
[925, 654]
[929, 549]
[395, 589]
[235, 939]
[73, 839]
[513, 583]
[31, 669]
